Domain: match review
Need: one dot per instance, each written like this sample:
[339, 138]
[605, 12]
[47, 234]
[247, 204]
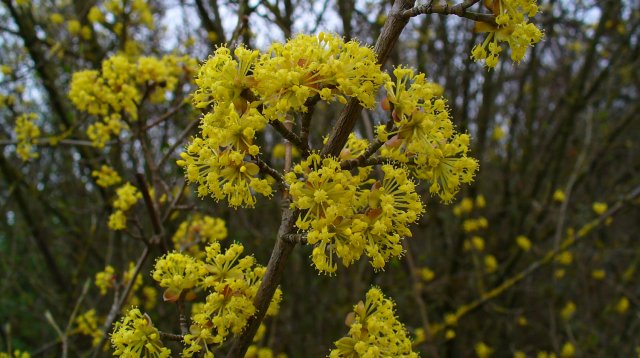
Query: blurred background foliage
[564, 121]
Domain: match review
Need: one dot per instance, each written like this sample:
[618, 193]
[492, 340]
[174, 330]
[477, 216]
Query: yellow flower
[558, 196]
[490, 263]
[106, 176]
[568, 350]
[105, 279]
[598, 274]
[599, 207]
[568, 310]
[623, 305]
[374, 328]
[176, 272]
[483, 350]
[74, 27]
[425, 136]
[426, 274]
[95, 15]
[135, 336]
[291, 73]
[227, 175]
[88, 324]
[198, 230]
[512, 27]
[56, 18]
[523, 242]
[26, 132]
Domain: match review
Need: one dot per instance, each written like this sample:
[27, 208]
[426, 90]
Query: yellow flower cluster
[424, 136]
[119, 88]
[26, 132]
[226, 175]
[345, 217]
[230, 281]
[127, 196]
[243, 91]
[105, 279]
[513, 27]
[291, 73]
[16, 354]
[177, 273]
[106, 176]
[374, 331]
[135, 336]
[87, 324]
[198, 230]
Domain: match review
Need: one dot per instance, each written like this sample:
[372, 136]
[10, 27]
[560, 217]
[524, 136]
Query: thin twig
[118, 302]
[547, 258]
[267, 169]
[291, 137]
[171, 336]
[165, 116]
[305, 122]
[153, 212]
[458, 10]
[185, 133]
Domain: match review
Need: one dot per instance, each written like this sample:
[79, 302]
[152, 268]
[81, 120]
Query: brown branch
[291, 137]
[185, 133]
[166, 115]
[305, 122]
[270, 281]
[458, 10]
[119, 301]
[171, 336]
[265, 168]
[153, 214]
[391, 30]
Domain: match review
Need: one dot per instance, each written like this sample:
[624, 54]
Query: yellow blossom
[490, 263]
[105, 279]
[483, 350]
[74, 27]
[598, 274]
[56, 18]
[523, 242]
[106, 176]
[135, 336]
[374, 328]
[558, 196]
[568, 350]
[568, 310]
[623, 305]
[26, 132]
[599, 207]
[426, 274]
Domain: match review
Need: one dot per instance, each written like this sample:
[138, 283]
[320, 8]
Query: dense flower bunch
[135, 336]
[345, 212]
[127, 196]
[87, 324]
[374, 331]
[106, 176]
[291, 73]
[198, 230]
[119, 88]
[424, 136]
[513, 27]
[350, 215]
[243, 92]
[230, 281]
[26, 132]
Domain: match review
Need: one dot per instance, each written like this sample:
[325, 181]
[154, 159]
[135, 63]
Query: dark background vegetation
[568, 112]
